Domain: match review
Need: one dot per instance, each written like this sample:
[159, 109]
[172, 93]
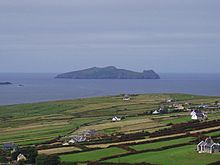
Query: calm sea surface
[43, 87]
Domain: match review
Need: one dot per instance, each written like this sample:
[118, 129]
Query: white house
[156, 112]
[114, 119]
[77, 138]
[208, 146]
[65, 144]
[21, 157]
[169, 100]
[126, 98]
[178, 107]
[90, 133]
[198, 115]
[203, 106]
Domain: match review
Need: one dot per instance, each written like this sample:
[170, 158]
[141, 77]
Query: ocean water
[28, 88]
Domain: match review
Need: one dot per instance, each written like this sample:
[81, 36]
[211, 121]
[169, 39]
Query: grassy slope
[37, 122]
[160, 144]
[50, 119]
[91, 155]
[181, 156]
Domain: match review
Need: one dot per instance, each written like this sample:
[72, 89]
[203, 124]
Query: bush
[3, 159]
[47, 159]
[29, 152]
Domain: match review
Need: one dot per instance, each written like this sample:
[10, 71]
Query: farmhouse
[114, 119]
[198, 115]
[178, 107]
[208, 146]
[126, 98]
[90, 133]
[65, 144]
[77, 139]
[203, 106]
[21, 157]
[9, 146]
[156, 112]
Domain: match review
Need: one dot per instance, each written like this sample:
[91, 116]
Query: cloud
[114, 29]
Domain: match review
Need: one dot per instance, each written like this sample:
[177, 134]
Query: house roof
[21, 157]
[8, 145]
[90, 132]
[201, 143]
[208, 142]
[198, 113]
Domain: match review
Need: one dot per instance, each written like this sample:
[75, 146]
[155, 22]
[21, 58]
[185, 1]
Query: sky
[179, 36]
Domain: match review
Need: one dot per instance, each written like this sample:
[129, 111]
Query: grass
[58, 150]
[32, 123]
[176, 120]
[29, 124]
[91, 155]
[216, 133]
[175, 156]
[161, 144]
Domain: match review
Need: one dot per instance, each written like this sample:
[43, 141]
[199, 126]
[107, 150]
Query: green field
[175, 156]
[157, 145]
[91, 155]
[36, 123]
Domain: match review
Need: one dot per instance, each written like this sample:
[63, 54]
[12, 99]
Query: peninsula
[109, 72]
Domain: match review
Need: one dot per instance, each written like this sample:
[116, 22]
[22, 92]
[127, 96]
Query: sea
[40, 87]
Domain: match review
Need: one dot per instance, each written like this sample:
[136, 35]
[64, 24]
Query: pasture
[39, 123]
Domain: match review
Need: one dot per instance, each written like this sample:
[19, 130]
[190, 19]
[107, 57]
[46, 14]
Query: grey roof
[90, 132]
[197, 111]
[202, 143]
[9, 145]
[207, 143]
[199, 114]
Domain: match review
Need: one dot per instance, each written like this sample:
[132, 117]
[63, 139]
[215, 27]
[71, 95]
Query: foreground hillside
[137, 138]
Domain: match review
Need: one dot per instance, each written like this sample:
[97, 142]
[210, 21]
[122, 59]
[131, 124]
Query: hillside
[137, 138]
[110, 72]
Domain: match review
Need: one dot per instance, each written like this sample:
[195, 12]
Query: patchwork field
[41, 123]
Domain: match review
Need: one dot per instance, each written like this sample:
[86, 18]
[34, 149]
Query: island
[109, 72]
[5, 83]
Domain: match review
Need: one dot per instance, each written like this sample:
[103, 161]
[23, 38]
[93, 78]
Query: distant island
[5, 83]
[109, 72]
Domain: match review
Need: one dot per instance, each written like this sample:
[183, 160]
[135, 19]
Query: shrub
[47, 159]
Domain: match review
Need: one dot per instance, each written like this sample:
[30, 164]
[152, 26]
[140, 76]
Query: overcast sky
[59, 36]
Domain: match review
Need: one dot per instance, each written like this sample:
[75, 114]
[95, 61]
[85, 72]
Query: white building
[208, 146]
[169, 100]
[114, 119]
[178, 107]
[21, 157]
[198, 115]
[126, 98]
[76, 139]
[156, 112]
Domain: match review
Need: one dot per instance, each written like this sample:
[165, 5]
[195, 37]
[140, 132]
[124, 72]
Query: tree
[29, 152]
[3, 159]
[47, 159]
